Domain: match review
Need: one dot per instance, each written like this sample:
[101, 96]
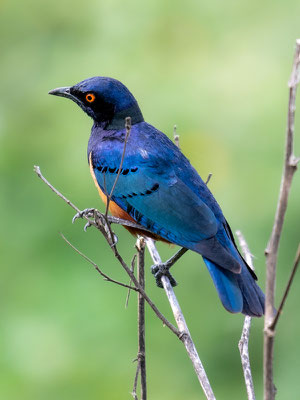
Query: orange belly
[118, 212]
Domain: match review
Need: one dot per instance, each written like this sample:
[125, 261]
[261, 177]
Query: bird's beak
[62, 92]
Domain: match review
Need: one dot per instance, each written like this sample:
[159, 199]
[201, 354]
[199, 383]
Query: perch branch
[185, 335]
[101, 224]
[290, 166]
[244, 341]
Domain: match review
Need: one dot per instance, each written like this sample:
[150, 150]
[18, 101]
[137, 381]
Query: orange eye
[90, 97]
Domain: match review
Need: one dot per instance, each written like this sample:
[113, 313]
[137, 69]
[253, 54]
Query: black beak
[62, 92]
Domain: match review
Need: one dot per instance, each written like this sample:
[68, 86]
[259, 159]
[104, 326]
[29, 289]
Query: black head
[106, 100]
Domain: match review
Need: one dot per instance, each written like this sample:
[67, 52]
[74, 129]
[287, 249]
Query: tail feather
[237, 292]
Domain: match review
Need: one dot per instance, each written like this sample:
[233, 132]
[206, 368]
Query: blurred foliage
[219, 71]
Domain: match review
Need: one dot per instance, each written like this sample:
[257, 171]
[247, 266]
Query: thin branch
[128, 129]
[244, 341]
[133, 393]
[287, 289]
[102, 225]
[290, 166]
[106, 277]
[185, 335]
[141, 318]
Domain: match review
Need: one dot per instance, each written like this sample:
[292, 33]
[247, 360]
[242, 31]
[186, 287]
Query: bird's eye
[90, 97]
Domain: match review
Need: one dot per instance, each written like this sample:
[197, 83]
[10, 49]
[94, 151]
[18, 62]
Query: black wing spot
[129, 195]
[133, 194]
[104, 170]
[148, 192]
[129, 208]
[154, 187]
[134, 169]
[99, 168]
[112, 170]
[125, 171]
[137, 216]
[124, 197]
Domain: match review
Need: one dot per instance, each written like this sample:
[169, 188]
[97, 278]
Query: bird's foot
[162, 270]
[87, 212]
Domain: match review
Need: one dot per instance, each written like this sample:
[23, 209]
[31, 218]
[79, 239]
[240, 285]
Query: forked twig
[185, 335]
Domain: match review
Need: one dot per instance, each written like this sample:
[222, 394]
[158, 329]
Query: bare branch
[244, 341]
[133, 393]
[287, 289]
[290, 166]
[185, 335]
[102, 225]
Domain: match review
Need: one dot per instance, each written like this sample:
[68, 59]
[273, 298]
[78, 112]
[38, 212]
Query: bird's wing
[149, 190]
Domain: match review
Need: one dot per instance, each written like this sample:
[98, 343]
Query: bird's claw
[162, 270]
[87, 212]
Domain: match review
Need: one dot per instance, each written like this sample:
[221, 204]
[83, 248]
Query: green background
[219, 71]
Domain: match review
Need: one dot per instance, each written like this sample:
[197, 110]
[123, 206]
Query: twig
[128, 129]
[290, 166]
[141, 318]
[106, 277]
[176, 136]
[244, 341]
[101, 225]
[134, 395]
[287, 289]
[185, 335]
[208, 178]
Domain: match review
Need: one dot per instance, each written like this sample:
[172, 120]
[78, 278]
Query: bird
[159, 189]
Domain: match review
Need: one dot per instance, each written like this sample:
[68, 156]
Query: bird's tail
[238, 292]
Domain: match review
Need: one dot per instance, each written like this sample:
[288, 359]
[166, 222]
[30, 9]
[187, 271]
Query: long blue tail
[238, 292]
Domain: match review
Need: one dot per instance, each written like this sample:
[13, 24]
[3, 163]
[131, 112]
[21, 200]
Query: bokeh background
[219, 71]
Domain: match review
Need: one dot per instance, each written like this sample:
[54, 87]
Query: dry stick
[185, 335]
[287, 289]
[290, 166]
[102, 229]
[244, 341]
[141, 318]
[134, 395]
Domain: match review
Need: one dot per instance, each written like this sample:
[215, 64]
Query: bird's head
[106, 100]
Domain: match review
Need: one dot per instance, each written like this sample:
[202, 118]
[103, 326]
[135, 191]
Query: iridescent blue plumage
[160, 190]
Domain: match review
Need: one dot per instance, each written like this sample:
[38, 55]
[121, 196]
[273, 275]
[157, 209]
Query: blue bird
[159, 189]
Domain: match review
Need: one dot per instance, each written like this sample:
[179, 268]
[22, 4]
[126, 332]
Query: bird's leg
[163, 269]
